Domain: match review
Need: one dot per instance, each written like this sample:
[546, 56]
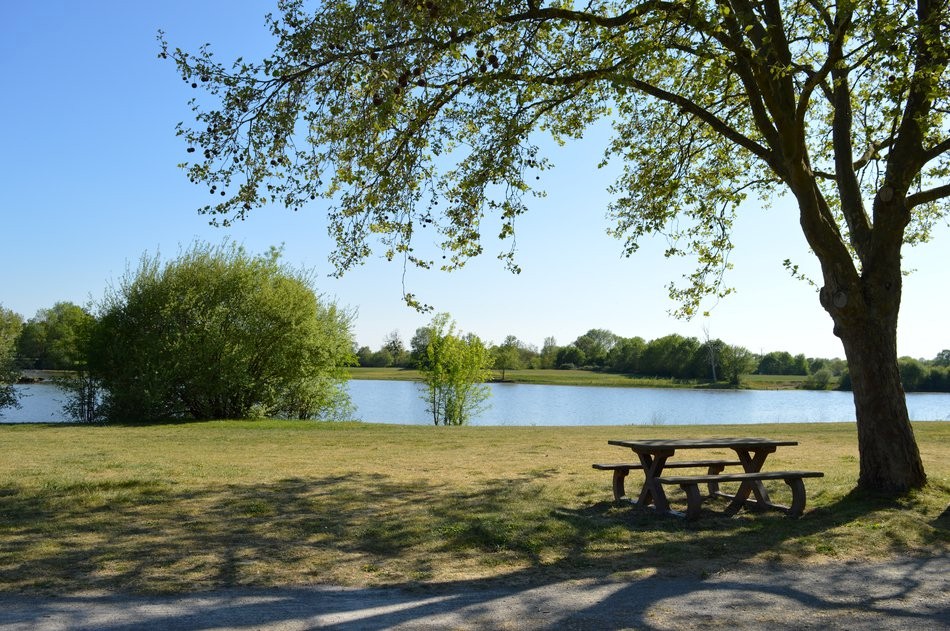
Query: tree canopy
[53, 338]
[393, 108]
[423, 118]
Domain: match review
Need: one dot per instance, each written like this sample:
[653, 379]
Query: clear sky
[90, 183]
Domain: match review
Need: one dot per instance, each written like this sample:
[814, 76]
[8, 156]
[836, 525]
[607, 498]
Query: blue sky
[90, 183]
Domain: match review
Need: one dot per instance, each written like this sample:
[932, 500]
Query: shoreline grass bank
[196, 506]
[559, 377]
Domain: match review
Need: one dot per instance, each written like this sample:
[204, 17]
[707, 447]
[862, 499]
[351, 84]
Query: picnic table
[656, 455]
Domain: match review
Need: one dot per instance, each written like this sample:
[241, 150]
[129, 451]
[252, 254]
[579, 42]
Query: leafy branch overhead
[425, 117]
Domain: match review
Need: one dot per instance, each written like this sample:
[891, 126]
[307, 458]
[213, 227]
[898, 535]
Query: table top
[665, 444]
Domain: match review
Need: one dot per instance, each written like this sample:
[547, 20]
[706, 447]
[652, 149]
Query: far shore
[556, 377]
[548, 377]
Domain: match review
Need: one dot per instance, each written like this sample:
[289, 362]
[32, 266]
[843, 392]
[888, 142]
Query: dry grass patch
[204, 505]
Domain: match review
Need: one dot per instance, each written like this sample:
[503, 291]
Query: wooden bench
[622, 469]
[690, 484]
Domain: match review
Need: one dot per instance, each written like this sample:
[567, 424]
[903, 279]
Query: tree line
[672, 356]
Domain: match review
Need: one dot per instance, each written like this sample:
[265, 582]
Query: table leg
[652, 491]
[752, 461]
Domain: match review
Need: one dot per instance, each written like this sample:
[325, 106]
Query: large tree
[424, 116]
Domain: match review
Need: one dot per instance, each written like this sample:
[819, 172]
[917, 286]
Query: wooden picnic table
[751, 454]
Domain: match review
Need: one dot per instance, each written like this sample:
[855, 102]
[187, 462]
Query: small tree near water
[454, 371]
[84, 394]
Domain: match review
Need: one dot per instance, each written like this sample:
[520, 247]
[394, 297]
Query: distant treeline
[49, 341]
[672, 356]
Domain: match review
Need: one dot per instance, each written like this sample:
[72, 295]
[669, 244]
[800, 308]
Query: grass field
[195, 506]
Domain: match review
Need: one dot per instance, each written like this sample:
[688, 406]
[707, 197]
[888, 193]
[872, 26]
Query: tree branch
[870, 153]
[931, 195]
[817, 78]
[534, 13]
[935, 151]
[719, 125]
[745, 68]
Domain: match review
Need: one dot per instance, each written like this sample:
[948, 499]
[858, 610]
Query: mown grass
[176, 507]
[778, 382]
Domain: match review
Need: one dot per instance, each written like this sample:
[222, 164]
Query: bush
[219, 333]
[819, 380]
[10, 326]
[913, 373]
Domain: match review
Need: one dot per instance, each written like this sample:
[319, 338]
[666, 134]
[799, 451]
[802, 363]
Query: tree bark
[866, 322]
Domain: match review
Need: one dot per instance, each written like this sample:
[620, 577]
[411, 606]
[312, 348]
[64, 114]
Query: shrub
[819, 380]
[10, 326]
[218, 333]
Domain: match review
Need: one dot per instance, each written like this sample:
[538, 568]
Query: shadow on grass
[147, 537]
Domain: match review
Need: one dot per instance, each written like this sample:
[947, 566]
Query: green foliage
[571, 357]
[626, 354]
[912, 373]
[819, 380]
[835, 366]
[215, 332]
[736, 361]
[507, 355]
[423, 118]
[366, 358]
[918, 376]
[942, 358]
[392, 344]
[84, 396]
[596, 344]
[418, 345]
[782, 363]
[53, 339]
[10, 326]
[674, 356]
[454, 371]
[548, 356]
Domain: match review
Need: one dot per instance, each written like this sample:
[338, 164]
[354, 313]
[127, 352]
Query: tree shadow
[139, 538]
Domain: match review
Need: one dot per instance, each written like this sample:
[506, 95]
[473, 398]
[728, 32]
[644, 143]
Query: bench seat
[623, 468]
[690, 484]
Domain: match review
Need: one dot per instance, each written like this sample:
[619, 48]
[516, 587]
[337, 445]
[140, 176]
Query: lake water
[517, 404]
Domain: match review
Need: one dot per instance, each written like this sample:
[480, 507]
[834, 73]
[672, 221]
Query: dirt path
[896, 595]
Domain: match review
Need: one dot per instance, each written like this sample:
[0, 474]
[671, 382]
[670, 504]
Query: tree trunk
[864, 304]
[889, 458]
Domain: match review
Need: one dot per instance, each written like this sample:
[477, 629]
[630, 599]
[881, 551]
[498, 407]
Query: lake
[519, 404]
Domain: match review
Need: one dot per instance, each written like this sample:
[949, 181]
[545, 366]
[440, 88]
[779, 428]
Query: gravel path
[895, 595]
